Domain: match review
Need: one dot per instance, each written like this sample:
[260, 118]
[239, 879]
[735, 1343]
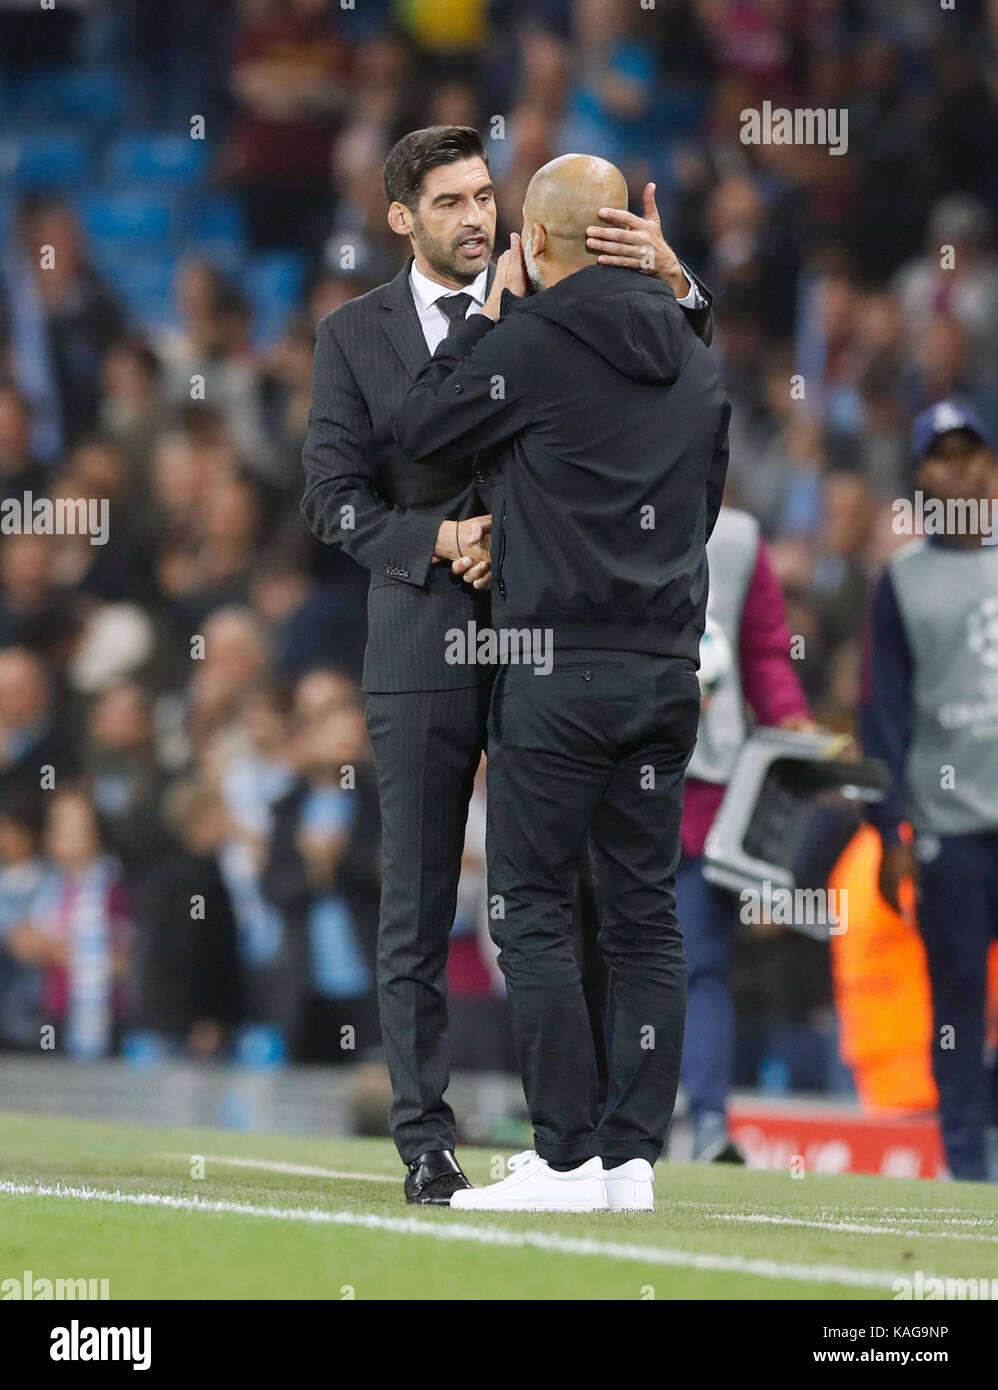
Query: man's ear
[400, 219]
[540, 239]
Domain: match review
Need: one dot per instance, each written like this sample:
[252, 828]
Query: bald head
[563, 199]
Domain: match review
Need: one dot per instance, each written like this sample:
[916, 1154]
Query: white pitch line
[922, 1214]
[308, 1170]
[482, 1235]
[928, 1218]
[848, 1227]
[914, 1211]
[300, 1170]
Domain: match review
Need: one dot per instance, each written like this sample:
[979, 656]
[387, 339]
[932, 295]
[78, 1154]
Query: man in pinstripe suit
[407, 523]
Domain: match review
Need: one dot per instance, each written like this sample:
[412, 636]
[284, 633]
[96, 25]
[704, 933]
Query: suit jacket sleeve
[341, 503]
[473, 394]
[718, 472]
[701, 320]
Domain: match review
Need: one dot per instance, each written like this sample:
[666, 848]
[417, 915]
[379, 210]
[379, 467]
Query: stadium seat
[219, 217]
[261, 1046]
[93, 97]
[143, 1048]
[144, 282]
[274, 282]
[128, 215]
[163, 158]
[276, 274]
[111, 254]
[53, 159]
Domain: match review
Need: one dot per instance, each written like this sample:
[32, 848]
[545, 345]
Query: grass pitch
[280, 1217]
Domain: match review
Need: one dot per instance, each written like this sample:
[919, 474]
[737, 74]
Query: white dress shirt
[426, 292]
[693, 300]
[434, 323]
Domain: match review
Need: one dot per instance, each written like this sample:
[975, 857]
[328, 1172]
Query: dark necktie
[455, 308]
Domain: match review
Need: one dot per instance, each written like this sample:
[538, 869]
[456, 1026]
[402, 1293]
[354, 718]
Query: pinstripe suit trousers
[427, 747]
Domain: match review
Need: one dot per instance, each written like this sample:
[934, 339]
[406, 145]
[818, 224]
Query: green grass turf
[151, 1253]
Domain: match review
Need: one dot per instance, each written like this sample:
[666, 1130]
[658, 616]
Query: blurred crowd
[199, 875]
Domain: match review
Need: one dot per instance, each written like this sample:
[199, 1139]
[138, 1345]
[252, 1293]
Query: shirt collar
[426, 291]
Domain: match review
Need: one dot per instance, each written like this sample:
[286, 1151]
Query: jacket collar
[401, 322]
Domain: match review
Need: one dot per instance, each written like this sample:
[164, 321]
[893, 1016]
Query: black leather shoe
[433, 1177]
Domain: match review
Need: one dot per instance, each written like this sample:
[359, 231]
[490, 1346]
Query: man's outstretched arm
[476, 391]
[470, 396]
[637, 243]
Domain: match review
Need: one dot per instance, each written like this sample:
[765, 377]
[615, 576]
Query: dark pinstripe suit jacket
[363, 494]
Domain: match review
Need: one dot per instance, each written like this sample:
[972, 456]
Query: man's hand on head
[511, 274]
[637, 243]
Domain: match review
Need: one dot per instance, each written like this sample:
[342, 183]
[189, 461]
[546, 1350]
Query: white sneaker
[534, 1186]
[629, 1187]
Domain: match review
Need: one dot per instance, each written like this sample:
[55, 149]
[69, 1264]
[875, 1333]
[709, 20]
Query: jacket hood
[632, 321]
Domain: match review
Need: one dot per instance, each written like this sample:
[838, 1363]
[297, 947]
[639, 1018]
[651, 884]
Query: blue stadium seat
[274, 283]
[150, 278]
[143, 284]
[95, 97]
[128, 215]
[52, 159]
[150, 312]
[110, 253]
[276, 275]
[142, 1047]
[163, 158]
[121, 259]
[219, 217]
[261, 1046]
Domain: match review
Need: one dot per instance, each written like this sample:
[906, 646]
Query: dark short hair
[412, 158]
[968, 437]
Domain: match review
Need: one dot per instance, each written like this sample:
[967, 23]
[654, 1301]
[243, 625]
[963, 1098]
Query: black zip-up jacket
[611, 436]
